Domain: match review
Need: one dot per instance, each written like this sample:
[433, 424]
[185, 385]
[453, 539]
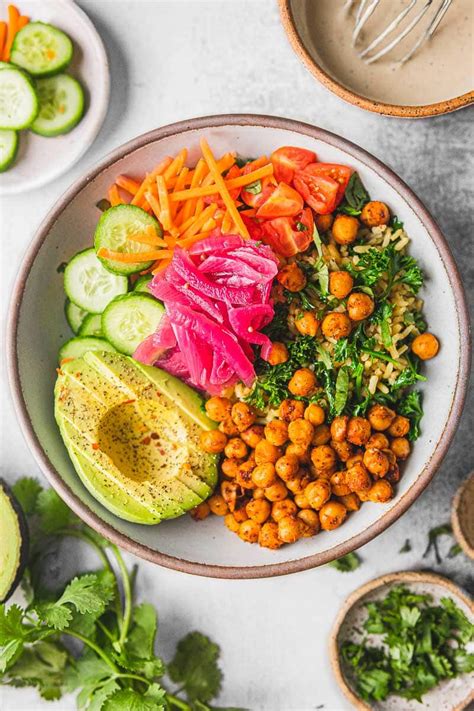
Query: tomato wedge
[255, 199]
[287, 236]
[254, 228]
[339, 173]
[288, 159]
[283, 202]
[319, 192]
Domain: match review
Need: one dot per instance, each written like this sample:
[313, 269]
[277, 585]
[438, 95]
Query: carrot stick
[149, 179]
[165, 214]
[154, 204]
[184, 226]
[226, 224]
[230, 184]
[209, 225]
[224, 193]
[132, 257]
[179, 185]
[200, 221]
[114, 196]
[160, 266]
[23, 20]
[224, 163]
[199, 173]
[144, 238]
[175, 166]
[128, 184]
[3, 36]
[194, 238]
[13, 17]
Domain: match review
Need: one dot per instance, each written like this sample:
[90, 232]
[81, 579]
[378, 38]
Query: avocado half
[14, 542]
[132, 433]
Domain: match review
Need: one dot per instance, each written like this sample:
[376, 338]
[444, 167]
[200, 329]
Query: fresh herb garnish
[444, 530]
[355, 196]
[454, 550]
[406, 548]
[103, 205]
[411, 406]
[240, 161]
[396, 224]
[346, 563]
[389, 264]
[301, 227]
[254, 188]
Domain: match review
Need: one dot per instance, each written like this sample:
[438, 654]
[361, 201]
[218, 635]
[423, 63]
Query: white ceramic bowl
[37, 327]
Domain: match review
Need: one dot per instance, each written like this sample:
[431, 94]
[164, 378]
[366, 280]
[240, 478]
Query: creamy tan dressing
[442, 69]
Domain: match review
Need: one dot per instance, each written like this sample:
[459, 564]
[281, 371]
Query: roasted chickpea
[302, 502]
[354, 460]
[287, 507]
[212, 441]
[240, 514]
[375, 213]
[231, 523]
[228, 427]
[351, 501]
[315, 414]
[302, 382]
[392, 460]
[393, 474]
[359, 306]
[338, 484]
[340, 284]
[358, 478]
[318, 492]
[358, 431]
[230, 492]
[323, 222]
[266, 452]
[322, 435]
[339, 428]
[291, 277]
[332, 515]
[278, 353]
[218, 505]
[301, 432]
[258, 493]
[299, 451]
[380, 492]
[298, 483]
[363, 495]
[287, 466]
[276, 491]
[244, 474]
[378, 440]
[243, 415]
[289, 529]
[264, 475]
[252, 436]
[218, 408]
[276, 432]
[376, 462]
[380, 417]
[230, 468]
[258, 510]
[336, 325]
[310, 521]
[425, 346]
[344, 450]
[249, 531]
[291, 410]
[236, 449]
[345, 229]
[268, 536]
[323, 458]
[399, 427]
[307, 324]
[201, 511]
[400, 446]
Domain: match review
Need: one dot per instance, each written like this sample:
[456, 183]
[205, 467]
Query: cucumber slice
[74, 316]
[91, 326]
[129, 319]
[89, 285]
[142, 282]
[61, 105]
[113, 231]
[41, 49]
[8, 148]
[18, 101]
[76, 347]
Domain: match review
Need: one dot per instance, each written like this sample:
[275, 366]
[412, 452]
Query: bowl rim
[458, 530]
[402, 576]
[363, 102]
[271, 569]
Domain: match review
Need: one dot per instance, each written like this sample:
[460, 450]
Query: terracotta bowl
[310, 59]
[451, 695]
[37, 327]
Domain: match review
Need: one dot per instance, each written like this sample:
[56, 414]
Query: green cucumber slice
[129, 319]
[142, 282]
[18, 101]
[41, 49]
[91, 326]
[8, 148]
[89, 285]
[74, 316]
[114, 229]
[76, 347]
[61, 105]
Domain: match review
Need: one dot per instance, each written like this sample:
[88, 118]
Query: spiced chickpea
[392, 460]
[393, 474]
[340, 284]
[287, 507]
[400, 446]
[244, 474]
[298, 450]
[212, 441]
[289, 529]
[354, 460]
[276, 432]
[378, 440]
[302, 502]
[252, 436]
[301, 432]
[345, 229]
[266, 452]
[218, 408]
[351, 501]
[380, 417]
[243, 415]
[258, 510]
[292, 277]
[318, 492]
[264, 475]
[236, 449]
[231, 523]
[303, 382]
[380, 492]
[268, 536]
[339, 428]
[298, 483]
[201, 511]
[375, 213]
[344, 450]
[287, 466]
[332, 515]
[218, 505]
[258, 493]
[376, 462]
[240, 514]
[323, 222]
[363, 495]
[425, 346]
[310, 521]
[338, 484]
[230, 468]
[358, 431]
[358, 478]
[228, 427]
[276, 491]
[249, 531]
[307, 324]
[315, 414]
[230, 492]
[322, 435]
[336, 325]
[359, 306]
[278, 353]
[291, 410]
[323, 458]
[399, 427]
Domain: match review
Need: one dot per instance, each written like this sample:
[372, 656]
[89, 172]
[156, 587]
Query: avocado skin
[24, 543]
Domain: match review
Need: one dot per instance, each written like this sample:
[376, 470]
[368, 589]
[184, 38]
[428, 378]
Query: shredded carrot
[185, 243]
[149, 179]
[23, 20]
[128, 184]
[209, 225]
[224, 193]
[160, 266]
[113, 196]
[226, 223]
[3, 36]
[63, 361]
[190, 206]
[224, 163]
[179, 185]
[147, 238]
[251, 212]
[229, 184]
[154, 204]
[165, 214]
[176, 165]
[200, 221]
[132, 257]
[13, 17]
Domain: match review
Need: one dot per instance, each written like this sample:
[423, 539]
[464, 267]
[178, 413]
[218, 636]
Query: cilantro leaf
[85, 593]
[346, 563]
[11, 623]
[355, 196]
[53, 512]
[142, 634]
[26, 491]
[406, 547]
[129, 700]
[195, 667]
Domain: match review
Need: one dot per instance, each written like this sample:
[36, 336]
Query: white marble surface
[182, 58]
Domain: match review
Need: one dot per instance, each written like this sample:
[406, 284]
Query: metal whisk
[413, 12]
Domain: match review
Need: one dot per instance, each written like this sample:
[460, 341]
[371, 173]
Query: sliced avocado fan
[13, 542]
[132, 433]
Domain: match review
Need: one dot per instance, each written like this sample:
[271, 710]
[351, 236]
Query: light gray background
[178, 59]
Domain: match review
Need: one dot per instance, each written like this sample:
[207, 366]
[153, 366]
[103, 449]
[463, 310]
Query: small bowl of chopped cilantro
[406, 641]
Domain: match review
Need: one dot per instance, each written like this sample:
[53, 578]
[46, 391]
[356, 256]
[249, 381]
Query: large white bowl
[37, 328]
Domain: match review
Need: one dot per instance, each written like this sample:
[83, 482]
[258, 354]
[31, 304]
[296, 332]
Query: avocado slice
[15, 542]
[132, 433]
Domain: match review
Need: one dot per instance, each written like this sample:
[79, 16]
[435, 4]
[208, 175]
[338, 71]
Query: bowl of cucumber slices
[47, 101]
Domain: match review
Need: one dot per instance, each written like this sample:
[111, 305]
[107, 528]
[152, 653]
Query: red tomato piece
[339, 173]
[283, 202]
[319, 192]
[254, 228]
[233, 172]
[287, 236]
[288, 159]
[257, 199]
